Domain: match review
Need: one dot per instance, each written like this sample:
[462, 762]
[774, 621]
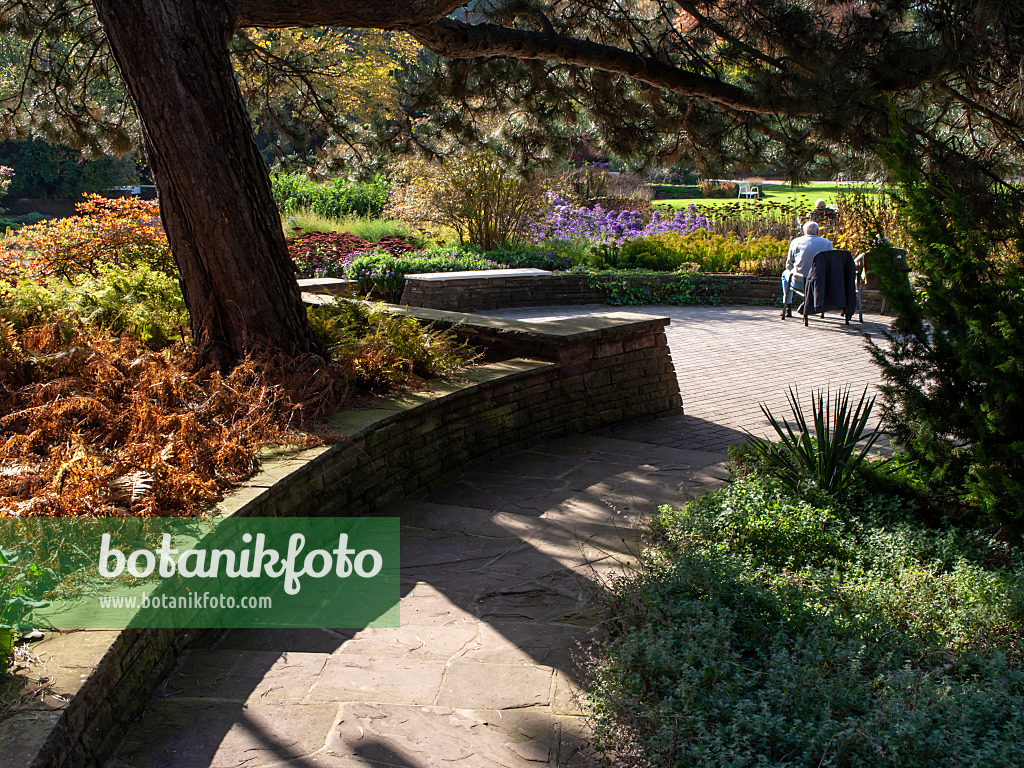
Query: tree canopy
[790, 81]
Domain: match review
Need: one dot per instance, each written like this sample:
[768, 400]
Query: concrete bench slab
[479, 274]
[333, 286]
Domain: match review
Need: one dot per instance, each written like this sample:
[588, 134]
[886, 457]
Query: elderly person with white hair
[825, 216]
[801, 253]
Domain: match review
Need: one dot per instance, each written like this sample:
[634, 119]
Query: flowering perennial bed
[328, 254]
[572, 222]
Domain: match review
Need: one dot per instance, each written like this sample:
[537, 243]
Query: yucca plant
[827, 456]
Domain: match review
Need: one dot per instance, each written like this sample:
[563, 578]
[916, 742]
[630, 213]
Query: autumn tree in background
[311, 90]
[778, 80]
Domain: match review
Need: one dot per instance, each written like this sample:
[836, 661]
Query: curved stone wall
[583, 374]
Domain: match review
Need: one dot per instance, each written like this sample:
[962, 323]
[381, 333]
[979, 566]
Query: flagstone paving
[500, 577]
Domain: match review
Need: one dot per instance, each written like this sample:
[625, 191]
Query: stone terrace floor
[730, 359]
[500, 570]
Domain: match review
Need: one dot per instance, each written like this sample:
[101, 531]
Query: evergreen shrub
[953, 370]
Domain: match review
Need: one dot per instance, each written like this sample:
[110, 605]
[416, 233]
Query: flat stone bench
[492, 289]
[332, 286]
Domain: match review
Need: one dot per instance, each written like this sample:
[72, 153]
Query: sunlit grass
[803, 196]
[304, 222]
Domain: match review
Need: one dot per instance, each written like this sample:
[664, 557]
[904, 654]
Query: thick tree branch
[455, 39]
[447, 37]
[359, 14]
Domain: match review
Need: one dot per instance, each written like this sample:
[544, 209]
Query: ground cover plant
[330, 254]
[641, 287]
[812, 624]
[765, 629]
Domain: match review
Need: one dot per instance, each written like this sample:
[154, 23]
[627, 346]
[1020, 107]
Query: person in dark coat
[798, 262]
[831, 284]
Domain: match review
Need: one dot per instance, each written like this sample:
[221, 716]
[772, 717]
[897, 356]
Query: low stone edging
[477, 295]
[591, 372]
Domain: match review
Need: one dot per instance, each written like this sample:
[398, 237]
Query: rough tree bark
[215, 197]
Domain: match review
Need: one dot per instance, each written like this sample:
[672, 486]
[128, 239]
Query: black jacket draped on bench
[831, 283]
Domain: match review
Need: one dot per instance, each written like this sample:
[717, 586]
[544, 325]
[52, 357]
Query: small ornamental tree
[953, 391]
[475, 192]
[111, 231]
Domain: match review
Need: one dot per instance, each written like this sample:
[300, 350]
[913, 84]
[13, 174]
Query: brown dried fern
[97, 425]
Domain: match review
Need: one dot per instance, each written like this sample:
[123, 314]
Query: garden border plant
[826, 458]
[640, 287]
[783, 623]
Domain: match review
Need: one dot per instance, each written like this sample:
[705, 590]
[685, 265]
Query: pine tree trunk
[215, 196]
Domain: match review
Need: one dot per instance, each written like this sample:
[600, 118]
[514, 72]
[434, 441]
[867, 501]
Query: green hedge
[675, 191]
[382, 274]
[334, 199]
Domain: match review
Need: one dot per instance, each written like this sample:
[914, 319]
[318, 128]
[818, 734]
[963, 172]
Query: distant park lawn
[778, 193]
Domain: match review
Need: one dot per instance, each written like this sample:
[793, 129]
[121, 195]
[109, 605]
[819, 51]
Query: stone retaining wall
[591, 372]
[467, 295]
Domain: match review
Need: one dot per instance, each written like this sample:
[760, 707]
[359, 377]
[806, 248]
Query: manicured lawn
[778, 193]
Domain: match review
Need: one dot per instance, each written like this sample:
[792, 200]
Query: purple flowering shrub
[568, 222]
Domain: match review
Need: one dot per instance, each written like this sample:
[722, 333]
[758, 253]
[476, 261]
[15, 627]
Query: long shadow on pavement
[499, 575]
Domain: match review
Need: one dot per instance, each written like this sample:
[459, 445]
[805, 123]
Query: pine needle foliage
[953, 369]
